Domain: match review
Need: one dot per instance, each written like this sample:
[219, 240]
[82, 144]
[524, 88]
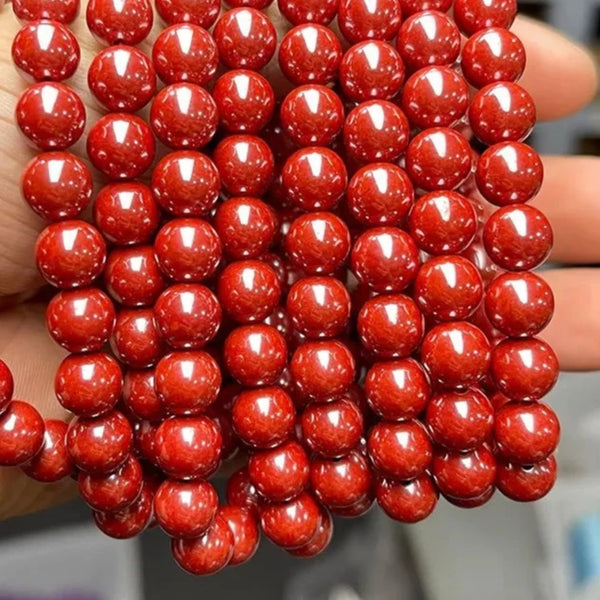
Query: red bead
[492, 55]
[509, 173]
[435, 97]
[63, 11]
[188, 250]
[119, 21]
[130, 521]
[314, 178]
[126, 213]
[89, 384]
[363, 19]
[185, 509]
[121, 146]
[308, 11]
[132, 276]
[122, 78]
[45, 50]
[51, 115]
[469, 503]
[291, 524]
[257, 4]
[439, 159]
[310, 53]
[207, 554]
[473, 15]
[246, 535]
[343, 482]
[376, 130]
[518, 238]
[145, 440]
[70, 254]
[246, 39]
[135, 340]
[464, 475]
[100, 445]
[526, 483]
[139, 396]
[81, 320]
[456, 355]
[187, 315]
[263, 418]
[52, 463]
[356, 510]
[185, 52]
[332, 429]
[460, 421]
[407, 501]
[188, 447]
[410, 7]
[184, 115]
[241, 492]
[322, 370]
[246, 165]
[7, 386]
[186, 183]
[198, 12]
[255, 354]
[21, 433]
[320, 539]
[502, 112]
[448, 288]
[428, 38]
[443, 222]
[279, 474]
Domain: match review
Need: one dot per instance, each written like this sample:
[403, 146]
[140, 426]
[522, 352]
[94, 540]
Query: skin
[560, 75]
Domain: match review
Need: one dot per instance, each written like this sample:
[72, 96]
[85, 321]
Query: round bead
[518, 238]
[198, 12]
[308, 11]
[246, 39]
[473, 15]
[456, 355]
[63, 11]
[21, 433]
[139, 396]
[89, 384]
[51, 115]
[188, 250]
[100, 445]
[119, 21]
[81, 320]
[363, 19]
[57, 185]
[509, 173]
[356, 510]
[310, 53]
[428, 38]
[435, 97]
[7, 385]
[502, 112]
[320, 539]
[122, 78]
[480, 500]
[241, 492]
[188, 447]
[45, 50]
[439, 159]
[410, 7]
[246, 535]
[185, 52]
[185, 509]
[186, 183]
[52, 463]
[407, 501]
[187, 315]
[526, 483]
[443, 222]
[184, 115]
[245, 101]
[376, 130]
[70, 254]
[121, 145]
[126, 213]
[257, 4]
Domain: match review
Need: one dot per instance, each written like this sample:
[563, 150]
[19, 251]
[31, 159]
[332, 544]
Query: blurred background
[502, 551]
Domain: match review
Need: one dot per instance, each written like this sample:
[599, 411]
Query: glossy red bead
[241, 492]
[70, 254]
[526, 483]
[81, 320]
[246, 534]
[198, 12]
[7, 385]
[51, 115]
[139, 395]
[136, 341]
[21, 433]
[473, 15]
[518, 238]
[187, 315]
[52, 463]
[410, 7]
[258, 4]
[320, 539]
[119, 21]
[308, 11]
[407, 501]
[360, 20]
[376, 130]
[63, 11]
[456, 355]
[188, 447]
[362, 507]
[122, 78]
[246, 39]
[310, 53]
[185, 509]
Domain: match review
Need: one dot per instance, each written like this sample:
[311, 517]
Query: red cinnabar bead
[135, 340]
[198, 12]
[52, 463]
[21, 434]
[119, 21]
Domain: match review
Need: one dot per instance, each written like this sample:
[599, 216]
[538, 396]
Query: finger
[560, 74]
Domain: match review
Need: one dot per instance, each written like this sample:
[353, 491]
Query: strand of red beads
[337, 286]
